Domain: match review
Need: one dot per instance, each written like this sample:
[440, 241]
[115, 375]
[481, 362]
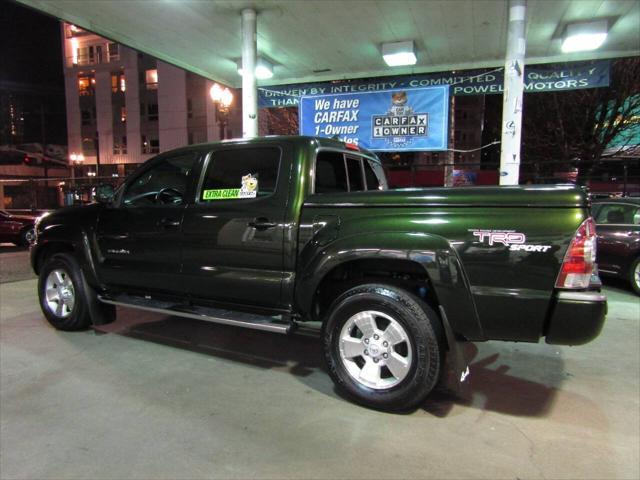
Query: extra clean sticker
[248, 189]
[221, 194]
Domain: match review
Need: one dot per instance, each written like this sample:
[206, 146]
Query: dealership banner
[538, 78]
[393, 120]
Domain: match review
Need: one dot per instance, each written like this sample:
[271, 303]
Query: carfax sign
[393, 120]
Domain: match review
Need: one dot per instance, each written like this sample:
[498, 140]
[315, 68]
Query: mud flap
[457, 362]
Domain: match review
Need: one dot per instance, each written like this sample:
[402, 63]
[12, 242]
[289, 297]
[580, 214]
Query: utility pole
[96, 143]
[43, 139]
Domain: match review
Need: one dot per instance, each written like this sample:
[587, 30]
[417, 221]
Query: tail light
[580, 259]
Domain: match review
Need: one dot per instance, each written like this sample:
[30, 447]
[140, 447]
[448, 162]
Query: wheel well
[408, 275]
[50, 249]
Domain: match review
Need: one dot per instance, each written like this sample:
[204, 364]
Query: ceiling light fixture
[263, 70]
[579, 37]
[399, 53]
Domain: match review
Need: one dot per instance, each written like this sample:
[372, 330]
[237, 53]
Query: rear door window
[241, 174]
[331, 175]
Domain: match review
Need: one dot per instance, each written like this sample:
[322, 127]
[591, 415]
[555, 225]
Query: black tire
[85, 308]
[26, 236]
[422, 328]
[634, 276]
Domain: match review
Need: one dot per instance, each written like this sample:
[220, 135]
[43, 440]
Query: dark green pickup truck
[272, 232]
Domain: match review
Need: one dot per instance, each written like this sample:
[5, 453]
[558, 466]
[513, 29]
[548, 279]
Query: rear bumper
[576, 317]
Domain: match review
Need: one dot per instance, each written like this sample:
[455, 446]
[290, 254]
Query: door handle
[169, 223]
[262, 223]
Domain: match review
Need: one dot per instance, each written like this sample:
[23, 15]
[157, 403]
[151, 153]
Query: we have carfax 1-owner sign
[386, 120]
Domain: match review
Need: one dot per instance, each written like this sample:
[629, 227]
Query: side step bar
[216, 315]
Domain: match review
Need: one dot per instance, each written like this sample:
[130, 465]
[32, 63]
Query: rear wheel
[66, 300]
[634, 275]
[383, 346]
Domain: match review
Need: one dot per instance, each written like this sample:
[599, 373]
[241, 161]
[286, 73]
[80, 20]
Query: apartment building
[123, 107]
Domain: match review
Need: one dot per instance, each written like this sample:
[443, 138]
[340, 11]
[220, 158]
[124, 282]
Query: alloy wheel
[60, 296]
[375, 349]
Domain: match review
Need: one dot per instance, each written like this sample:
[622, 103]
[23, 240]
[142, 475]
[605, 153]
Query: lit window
[151, 77]
[85, 85]
[117, 83]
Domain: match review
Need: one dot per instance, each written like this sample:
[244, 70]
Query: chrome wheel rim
[636, 275]
[30, 236]
[375, 350]
[60, 296]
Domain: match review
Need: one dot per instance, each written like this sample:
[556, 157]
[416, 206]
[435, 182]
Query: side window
[241, 173]
[612, 213]
[354, 168]
[165, 183]
[331, 175]
[372, 180]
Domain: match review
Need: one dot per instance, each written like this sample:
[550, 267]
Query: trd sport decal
[516, 241]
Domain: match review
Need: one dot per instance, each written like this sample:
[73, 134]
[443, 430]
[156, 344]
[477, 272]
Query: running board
[215, 315]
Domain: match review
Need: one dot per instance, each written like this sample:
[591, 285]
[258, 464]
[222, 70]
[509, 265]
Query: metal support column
[512, 97]
[249, 87]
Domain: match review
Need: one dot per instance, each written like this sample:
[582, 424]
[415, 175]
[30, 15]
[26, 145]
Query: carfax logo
[400, 124]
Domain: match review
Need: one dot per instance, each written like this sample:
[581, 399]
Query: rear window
[241, 174]
[372, 179]
[617, 213]
[356, 180]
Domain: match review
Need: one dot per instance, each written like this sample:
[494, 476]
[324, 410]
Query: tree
[577, 127]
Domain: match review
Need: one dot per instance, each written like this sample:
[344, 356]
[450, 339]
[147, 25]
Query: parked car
[618, 231]
[18, 229]
[271, 232]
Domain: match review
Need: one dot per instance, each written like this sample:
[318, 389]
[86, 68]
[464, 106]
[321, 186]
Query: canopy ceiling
[311, 40]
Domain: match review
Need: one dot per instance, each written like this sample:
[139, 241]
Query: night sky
[30, 49]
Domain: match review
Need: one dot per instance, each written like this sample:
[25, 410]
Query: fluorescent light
[399, 53]
[586, 36]
[263, 70]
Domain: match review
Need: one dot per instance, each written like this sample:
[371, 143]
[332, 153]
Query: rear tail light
[580, 259]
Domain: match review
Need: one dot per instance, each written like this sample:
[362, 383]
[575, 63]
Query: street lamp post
[222, 99]
[75, 159]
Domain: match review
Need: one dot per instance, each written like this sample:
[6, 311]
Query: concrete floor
[161, 397]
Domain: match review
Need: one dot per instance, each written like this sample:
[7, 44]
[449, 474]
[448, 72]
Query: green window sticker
[221, 194]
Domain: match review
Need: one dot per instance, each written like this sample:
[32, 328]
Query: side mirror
[104, 193]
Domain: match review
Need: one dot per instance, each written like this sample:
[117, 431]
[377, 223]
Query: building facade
[124, 107]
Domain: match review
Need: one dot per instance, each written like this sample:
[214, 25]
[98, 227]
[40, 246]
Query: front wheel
[634, 276]
[66, 300]
[383, 346]
[27, 236]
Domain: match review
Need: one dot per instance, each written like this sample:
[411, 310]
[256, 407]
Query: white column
[249, 87]
[172, 106]
[512, 97]
[132, 102]
[104, 116]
